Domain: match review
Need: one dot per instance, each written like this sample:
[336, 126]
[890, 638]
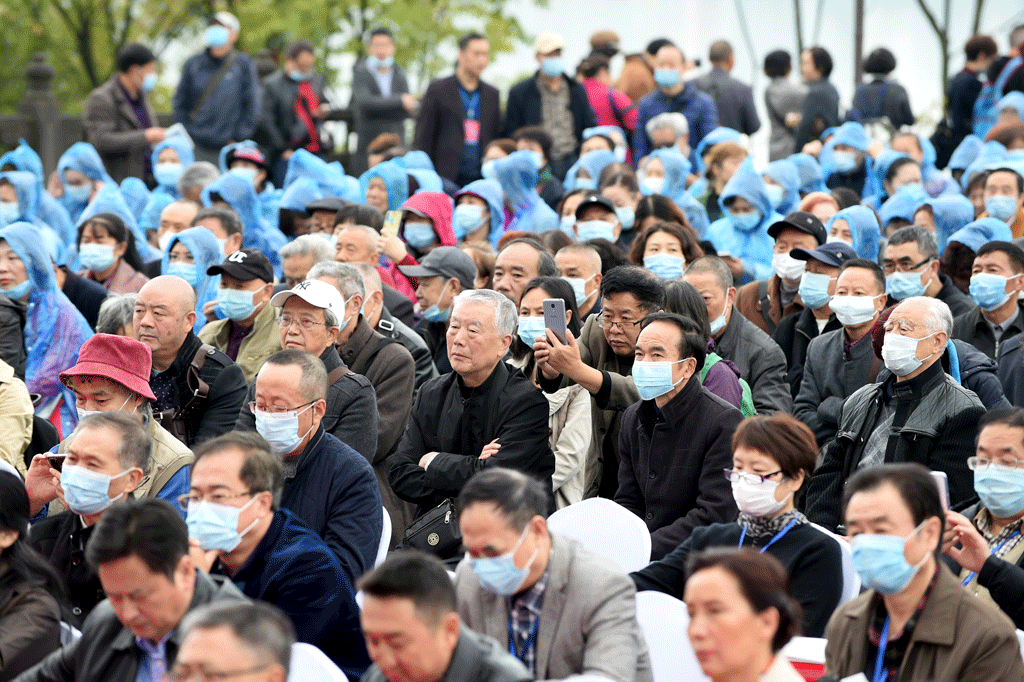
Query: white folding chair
[851, 581]
[309, 664]
[385, 539]
[608, 529]
[663, 620]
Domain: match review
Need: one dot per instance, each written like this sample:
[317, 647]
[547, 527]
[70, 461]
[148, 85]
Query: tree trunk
[799, 29]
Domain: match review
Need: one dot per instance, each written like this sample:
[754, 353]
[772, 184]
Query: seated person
[301, 254]
[225, 225]
[106, 248]
[189, 255]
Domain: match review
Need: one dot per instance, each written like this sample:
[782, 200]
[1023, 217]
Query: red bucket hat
[122, 360]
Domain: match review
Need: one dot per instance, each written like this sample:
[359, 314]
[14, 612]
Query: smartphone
[942, 483]
[56, 461]
[392, 221]
[554, 317]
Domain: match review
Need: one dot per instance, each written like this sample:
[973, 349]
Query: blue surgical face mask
[187, 271]
[419, 235]
[148, 82]
[844, 162]
[167, 174]
[96, 257]
[374, 63]
[281, 429]
[1001, 490]
[745, 221]
[579, 286]
[667, 266]
[538, 159]
[814, 289]
[237, 304]
[530, 328]
[775, 194]
[487, 169]
[903, 285]
[567, 224]
[467, 219]
[626, 216]
[247, 172]
[217, 36]
[87, 491]
[499, 574]
[18, 291]
[585, 183]
[79, 193]
[718, 324]
[595, 229]
[1001, 207]
[881, 564]
[10, 211]
[435, 314]
[215, 526]
[654, 378]
[299, 77]
[667, 78]
[989, 290]
[552, 66]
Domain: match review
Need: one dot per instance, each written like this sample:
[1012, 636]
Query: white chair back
[309, 664]
[851, 581]
[608, 529]
[385, 539]
[805, 650]
[1020, 636]
[663, 620]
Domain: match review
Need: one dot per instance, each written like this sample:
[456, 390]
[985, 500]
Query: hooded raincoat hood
[851, 134]
[299, 194]
[27, 191]
[186, 156]
[747, 184]
[785, 172]
[593, 162]
[753, 246]
[992, 155]
[965, 152]
[903, 204]
[110, 200]
[950, 213]
[206, 252]
[438, 207]
[980, 232]
[489, 191]
[81, 157]
[863, 227]
[517, 175]
[136, 195]
[676, 168]
[716, 136]
[395, 179]
[811, 179]
[1014, 100]
[881, 168]
[51, 211]
[241, 195]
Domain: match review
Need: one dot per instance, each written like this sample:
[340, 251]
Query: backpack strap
[212, 85]
[766, 305]
[337, 373]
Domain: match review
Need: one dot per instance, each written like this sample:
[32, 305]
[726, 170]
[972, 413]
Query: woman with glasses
[773, 458]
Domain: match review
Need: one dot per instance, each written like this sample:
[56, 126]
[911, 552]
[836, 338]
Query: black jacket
[935, 424]
[398, 304]
[86, 294]
[959, 303]
[793, 335]
[476, 658]
[107, 650]
[1010, 369]
[671, 462]
[458, 422]
[227, 391]
[279, 124]
[394, 328]
[433, 334]
[973, 328]
[12, 335]
[524, 108]
[439, 127]
[61, 539]
[820, 112]
[812, 559]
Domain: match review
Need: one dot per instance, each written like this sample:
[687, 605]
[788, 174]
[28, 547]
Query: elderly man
[580, 266]
[669, 129]
[226, 637]
[359, 244]
[195, 178]
[111, 447]
[919, 414]
[483, 414]
[914, 622]
[761, 362]
[842, 360]
[587, 625]
[409, 599]
[310, 321]
[911, 264]
[249, 333]
[390, 369]
[328, 484]
[997, 278]
[517, 263]
[225, 225]
[675, 443]
[301, 254]
[176, 217]
[139, 550]
[198, 389]
[238, 530]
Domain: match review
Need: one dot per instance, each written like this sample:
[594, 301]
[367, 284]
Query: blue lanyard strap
[778, 536]
[471, 102]
[880, 675]
[512, 648]
[971, 575]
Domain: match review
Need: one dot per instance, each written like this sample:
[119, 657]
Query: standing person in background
[637, 76]
[218, 96]
[882, 98]
[735, 100]
[821, 106]
[783, 99]
[380, 95]
[612, 107]
[460, 115]
[965, 86]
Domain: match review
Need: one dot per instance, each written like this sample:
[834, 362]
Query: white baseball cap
[228, 21]
[316, 293]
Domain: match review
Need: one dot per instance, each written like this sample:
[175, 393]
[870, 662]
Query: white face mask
[787, 267]
[900, 353]
[757, 498]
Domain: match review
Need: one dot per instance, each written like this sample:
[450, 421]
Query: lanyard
[470, 102]
[771, 542]
[512, 649]
[882, 644]
[971, 575]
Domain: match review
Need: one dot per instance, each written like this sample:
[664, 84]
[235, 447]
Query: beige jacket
[15, 418]
[262, 341]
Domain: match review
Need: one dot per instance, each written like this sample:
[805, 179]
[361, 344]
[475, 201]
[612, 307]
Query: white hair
[669, 119]
[505, 316]
[937, 316]
[315, 245]
[345, 275]
[371, 278]
[371, 235]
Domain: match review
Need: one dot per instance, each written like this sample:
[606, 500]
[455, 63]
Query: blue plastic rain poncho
[27, 190]
[51, 211]
[136, 195]
[418, 160]
[300, 193]
[965, 152]
[882, 163]
[393, 173]
[982, 231]
[593, 162]
[54, 330]
[950, 213]
[676, 168]
[716, 136]
[863, 228]
[489, 191]
[1013, 100]
[330, 177]
[420, 167]
[517, 175]
[785, 173]
[903, 204]
[110, 200]
[186, 157]
[751, 244]
[81, 157]
[270, 196]
[936, 183]
[992, 155]
[811, 179]
[240, 194]
[851, 134]
[205, 252]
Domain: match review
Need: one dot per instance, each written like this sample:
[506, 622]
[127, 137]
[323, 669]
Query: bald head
[172, 289]
[177, 216]
[163, 317]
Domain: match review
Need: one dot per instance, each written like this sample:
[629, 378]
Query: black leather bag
[436, 532]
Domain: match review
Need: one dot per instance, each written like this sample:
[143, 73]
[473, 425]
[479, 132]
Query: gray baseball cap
[447, 262]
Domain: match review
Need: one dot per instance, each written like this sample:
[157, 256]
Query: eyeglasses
[253, 407]
[286, 321]
[607, 323]
[736, 476]
[982, 463]
[216, 498]
[902, 265]
[186, 674]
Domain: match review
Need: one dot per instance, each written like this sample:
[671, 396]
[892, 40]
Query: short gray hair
[261, 468]
[669, 119]
[937, 317]
[260, 627]
[135, 446]
[915, 234]
[308, 245]
[200, 174]
[505, 316]
[368, 232]
[116, 312]
[371, 278]
[546, 266]
[314, 375]
[345, 275]
[712, 265]
[228, 218]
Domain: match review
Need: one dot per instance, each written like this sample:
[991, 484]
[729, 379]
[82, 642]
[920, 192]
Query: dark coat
[794, 334]
[398, 304]
[439, 129]
[524, 107]
[85, 294]
[506, 406]
[959, 303]
[375, 113]
[1010, 369]
[820, 112]
[671, 462]
[232, 111]
[29, 625]
[735, 100]
[753, 301]
[394, 328]
[61, 540]
[279, 124]
[112, 127]
[476, 658]
[761, 362]
[433, 334]
[12, 335]
[973, 328]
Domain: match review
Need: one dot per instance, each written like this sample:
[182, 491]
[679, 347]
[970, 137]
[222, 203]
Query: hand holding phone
[554, 317]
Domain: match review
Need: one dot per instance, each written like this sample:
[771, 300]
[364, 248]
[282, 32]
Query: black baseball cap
[594, 200]
[803, 221]
[834, 254]
[447, 262]
[245, 265]
[326, 204]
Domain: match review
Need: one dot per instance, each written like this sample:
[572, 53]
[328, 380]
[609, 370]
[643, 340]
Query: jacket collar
[914, 389]
[330, 358]
[263, 548]
[498, 374]
[359, 339]
[205, 589]
[184, 357]
[676, 410]
[807, 323]
[311, 449]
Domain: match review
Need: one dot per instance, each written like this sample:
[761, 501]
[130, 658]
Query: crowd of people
[251, 399]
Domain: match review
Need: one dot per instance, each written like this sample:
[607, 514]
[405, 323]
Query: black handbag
[436, 532]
